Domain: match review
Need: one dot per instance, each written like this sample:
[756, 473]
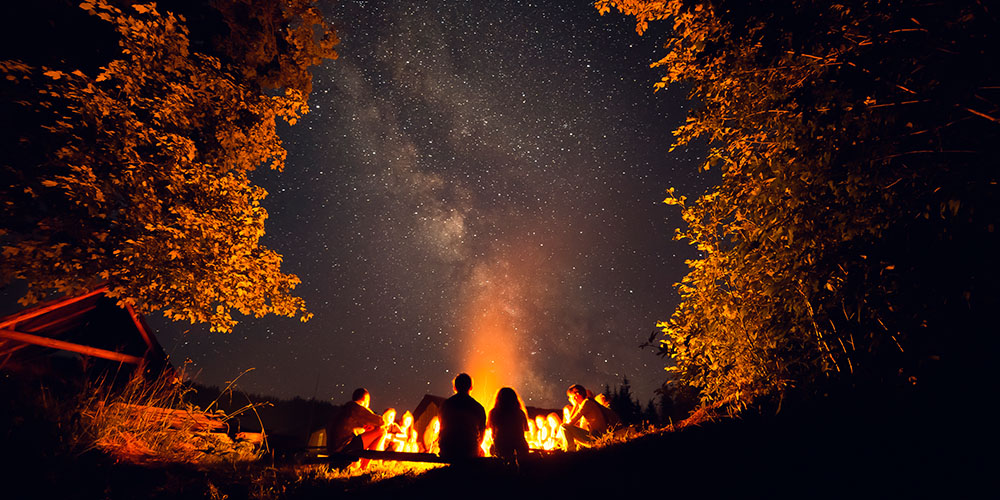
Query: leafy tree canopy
[138, 175]
[852, 237]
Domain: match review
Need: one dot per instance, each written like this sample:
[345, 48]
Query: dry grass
[147, 422]
[377, 470]
[701, 415]
[625, 434]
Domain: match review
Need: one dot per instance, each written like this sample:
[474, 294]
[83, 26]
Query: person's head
[361, 397]
[507, 399]
[576, 393]
[462, 383]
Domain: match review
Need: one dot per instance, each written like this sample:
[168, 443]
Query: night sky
[478, 187]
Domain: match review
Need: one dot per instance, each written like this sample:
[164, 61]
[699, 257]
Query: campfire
[545, 431]
[401, 435]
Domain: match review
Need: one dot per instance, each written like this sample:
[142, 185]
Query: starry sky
[477, 187]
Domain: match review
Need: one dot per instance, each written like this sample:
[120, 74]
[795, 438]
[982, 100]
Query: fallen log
[178, 419]
[400, 456]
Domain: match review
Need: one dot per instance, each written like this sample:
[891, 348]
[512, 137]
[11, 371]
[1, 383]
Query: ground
[813, 454]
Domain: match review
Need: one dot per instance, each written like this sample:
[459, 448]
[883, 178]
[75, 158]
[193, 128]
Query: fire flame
[544, 433]
[399, 436]
[491, 364]
[493, 355]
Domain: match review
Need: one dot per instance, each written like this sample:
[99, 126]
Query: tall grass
[146, 421]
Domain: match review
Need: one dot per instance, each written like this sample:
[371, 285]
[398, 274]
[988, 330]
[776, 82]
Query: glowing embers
[546, 433]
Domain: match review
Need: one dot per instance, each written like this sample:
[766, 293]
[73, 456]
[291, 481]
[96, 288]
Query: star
[477, 188]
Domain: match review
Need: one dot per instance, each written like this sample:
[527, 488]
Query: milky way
[478, 186]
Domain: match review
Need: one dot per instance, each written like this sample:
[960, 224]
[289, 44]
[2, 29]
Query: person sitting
[508, 421]
[588, 419]
[603, 400]
[355, 427]
[463, 423]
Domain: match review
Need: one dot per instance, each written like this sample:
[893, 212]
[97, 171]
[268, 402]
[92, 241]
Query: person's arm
[576, 414]
[370, 420]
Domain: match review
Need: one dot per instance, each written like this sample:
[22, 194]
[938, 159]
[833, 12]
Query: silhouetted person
[508, 421]
[356, 427]
[463, 423]
[587, 420]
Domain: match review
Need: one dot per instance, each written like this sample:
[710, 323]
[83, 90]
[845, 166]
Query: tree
[676, 401]
[622, 402]
[850, 240]
[138, 176]
[275, 58]
[650, 415]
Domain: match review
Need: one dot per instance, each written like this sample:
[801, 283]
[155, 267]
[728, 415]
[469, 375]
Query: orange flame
[495, 356]
[544, 433]
[490, 359]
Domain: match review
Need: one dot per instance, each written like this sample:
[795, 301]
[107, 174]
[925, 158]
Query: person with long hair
[508, 421]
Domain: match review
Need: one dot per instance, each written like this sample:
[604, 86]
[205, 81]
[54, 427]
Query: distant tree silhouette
[650, 415]
[676, 401]
[622, 402]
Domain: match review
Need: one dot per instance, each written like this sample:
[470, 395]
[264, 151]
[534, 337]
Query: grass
[146, 421]
[82, 444]
[836, 452]
[377, 470]
[700, 416]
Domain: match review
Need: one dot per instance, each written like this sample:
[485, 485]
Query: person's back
[592, 417]
[508, 422]
[463, 422]
[508, 429]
